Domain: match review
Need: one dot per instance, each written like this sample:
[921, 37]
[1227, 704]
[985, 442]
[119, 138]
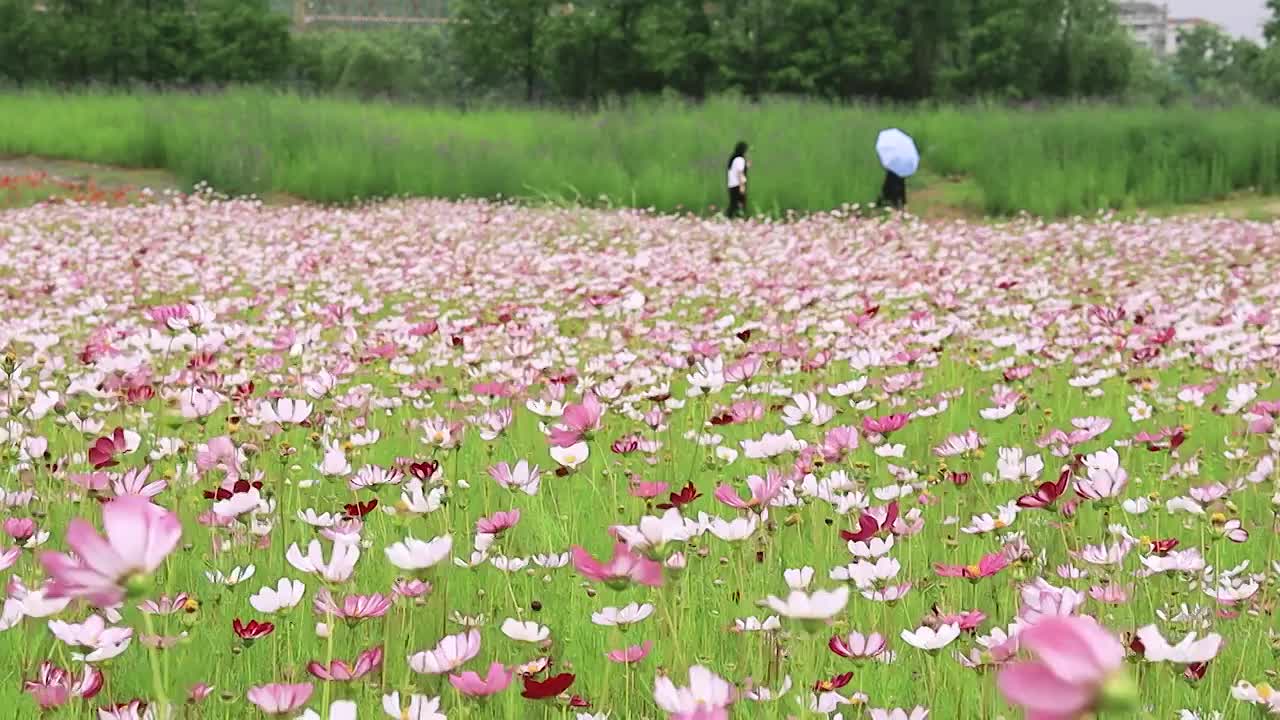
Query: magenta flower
[624, 567]
[54, 687]
[884, 425]
[1078, 669]
[340, 671]
[279, 698]
[577, 420]
[989, 565]
[632, 654]
[353, 607]
[472, 685]
[139, 536]
[498, 522]
[763, 491]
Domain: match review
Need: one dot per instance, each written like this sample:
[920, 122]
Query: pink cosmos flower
[624, 567]
[1112, 594]
[472, 685]
[744, 369]
[353, 607]
[452, 652]
[856, 646]
[649, 490]
[199, 692]
[54, 687]
[498, 522]
[838, 441]
[340, 671]
[279, 698]
[763, 491]
[885, 425]
[989, 565]
[1078, 668]
[20, 529]
[631, 654]
[139, 536]
[967, 441]
[523, 476]
[577, 420]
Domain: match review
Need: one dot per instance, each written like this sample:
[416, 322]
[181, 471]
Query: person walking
[738, 165]
[893, 193]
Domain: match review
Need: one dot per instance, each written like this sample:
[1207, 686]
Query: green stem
[157, 681]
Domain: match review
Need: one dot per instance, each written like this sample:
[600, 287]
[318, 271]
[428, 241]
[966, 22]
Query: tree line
[589, 51]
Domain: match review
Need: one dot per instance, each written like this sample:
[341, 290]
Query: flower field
[430, 459]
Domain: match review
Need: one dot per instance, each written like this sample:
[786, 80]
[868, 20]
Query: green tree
[506, 41]
[1271, 31]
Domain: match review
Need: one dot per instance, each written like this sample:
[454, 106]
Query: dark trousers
[737, 202]
[894, 192]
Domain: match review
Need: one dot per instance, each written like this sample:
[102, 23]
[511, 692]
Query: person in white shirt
[738, 165]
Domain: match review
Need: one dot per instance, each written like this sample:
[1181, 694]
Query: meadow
[427, 459]
[666, 155]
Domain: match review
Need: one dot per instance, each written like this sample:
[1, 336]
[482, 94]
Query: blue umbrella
[898, 153]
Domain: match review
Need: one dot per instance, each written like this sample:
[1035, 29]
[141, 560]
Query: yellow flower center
[974, 570]
[1264, 691]
[1001, 524]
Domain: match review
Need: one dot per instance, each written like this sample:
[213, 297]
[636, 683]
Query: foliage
[669, 155]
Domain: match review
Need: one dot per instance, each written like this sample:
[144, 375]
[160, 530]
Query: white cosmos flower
[552, 560]
[755, 624]
[873, 548]
[770, 445]
[927, 638]
[625, 615]
[1183, 504]
[820, 605]
[798, 578]
[653, 531]
[1136, 506]
[891, 450]
[572, 456]
[416, 555]
[420, 707]
[287, 594]
[510, 565]
[1188, 650]
[738, 529]
[527, 631]
[235, 577]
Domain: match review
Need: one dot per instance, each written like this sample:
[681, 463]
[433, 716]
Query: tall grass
[806, 155]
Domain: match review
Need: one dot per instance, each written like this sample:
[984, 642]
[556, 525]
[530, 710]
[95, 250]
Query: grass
[807, 155]
[264, 272]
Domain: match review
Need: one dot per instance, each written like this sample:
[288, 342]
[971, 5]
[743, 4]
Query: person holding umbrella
[900, 160]
[738, 165]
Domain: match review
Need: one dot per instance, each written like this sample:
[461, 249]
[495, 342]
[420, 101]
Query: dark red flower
[625, 445]
[686, 495]
[959, 479]
[1195, 671]
[551, 687]
[1162, 547]
[832, 684]
[424, 471]
[253, 630]
[360, 509]
[1047, 492]
[577, 701]
[139, 395]
[103, 451]
[869, 526]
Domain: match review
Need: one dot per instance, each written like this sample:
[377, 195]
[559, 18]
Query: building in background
[1147, 22]
[1180, 25]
